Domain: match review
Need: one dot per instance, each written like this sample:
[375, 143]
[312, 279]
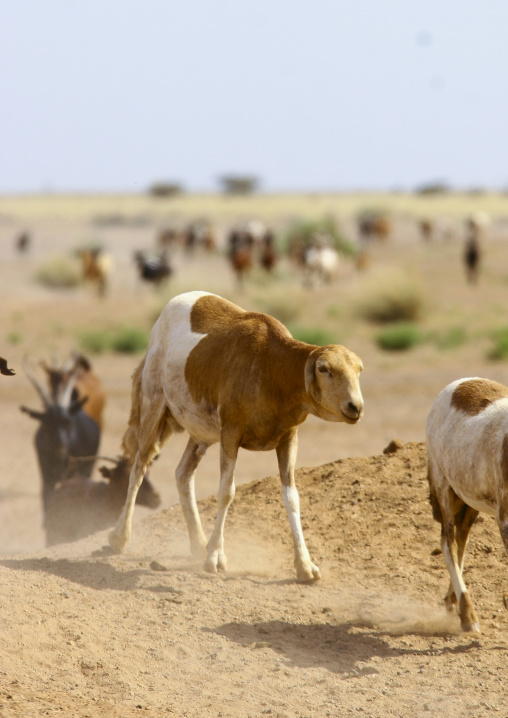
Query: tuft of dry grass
[59, 272]
[393, 297]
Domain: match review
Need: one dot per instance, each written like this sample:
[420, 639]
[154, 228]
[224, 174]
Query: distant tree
[239, 184]
[433, 188]
[165, 189]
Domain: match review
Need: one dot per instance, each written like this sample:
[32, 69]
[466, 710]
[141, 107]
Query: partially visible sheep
[467, 459]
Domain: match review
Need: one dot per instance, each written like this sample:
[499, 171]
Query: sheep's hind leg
[185, 475]
[467, 614]
[153, 427]
[216, 559]
[306, 571]
[464, 520]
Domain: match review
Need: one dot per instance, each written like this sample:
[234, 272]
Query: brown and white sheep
[467, 459]
[238, 378]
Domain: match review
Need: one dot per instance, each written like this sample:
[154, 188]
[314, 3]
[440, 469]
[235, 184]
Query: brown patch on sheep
[475, 395]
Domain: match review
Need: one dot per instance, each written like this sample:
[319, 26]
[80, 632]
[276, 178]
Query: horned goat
[238, 378]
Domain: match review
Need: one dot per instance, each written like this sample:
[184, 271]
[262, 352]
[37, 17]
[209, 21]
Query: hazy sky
[305, 94]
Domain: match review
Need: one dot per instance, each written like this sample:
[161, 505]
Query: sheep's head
[332, 380]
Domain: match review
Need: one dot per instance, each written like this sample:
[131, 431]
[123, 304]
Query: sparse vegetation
[313, 335]
[449, 339]
[59, 272]
[399, 337]
[125, 340]
[499, 351]
[303, 231]
[396, 299]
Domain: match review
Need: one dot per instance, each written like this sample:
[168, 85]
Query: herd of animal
[238, 378]
[252, 243]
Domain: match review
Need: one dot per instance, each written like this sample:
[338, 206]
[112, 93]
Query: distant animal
[81, 506]
[467, 461]
[472, 252]
[240, 248]
[155, 268]
[96, 267]
[87, 385]
[67, 439]
[426, 227]
[320, 261]
[23, 242]
[267, 253]
[4, 369]
[374, 226]
[239, 378]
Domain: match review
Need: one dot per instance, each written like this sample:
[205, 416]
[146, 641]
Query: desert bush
[313, 335]
[130, 340]
[500, 349]
[451, 338]
[303, 231]
[59, 272]
[125, 340]
[399, 337]
[394, 299]
[286, 305]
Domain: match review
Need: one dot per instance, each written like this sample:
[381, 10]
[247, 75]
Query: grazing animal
[87, 385]
[238, 378]
[467, 460]
[472, 252]
[66, 438]
[23, 242]
[240, 253]
[96, 267]
[4, 369]
[81, 506]
[320, 260]
[374, 226]
[426, 227]
[267, 253]
[154, 269]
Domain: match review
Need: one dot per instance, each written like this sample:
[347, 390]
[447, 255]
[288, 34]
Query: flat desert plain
[148, 632]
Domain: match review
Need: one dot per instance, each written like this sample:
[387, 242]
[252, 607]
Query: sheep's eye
[324, 370]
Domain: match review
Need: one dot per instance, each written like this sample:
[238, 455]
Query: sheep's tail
[130, 441]
[436, 509]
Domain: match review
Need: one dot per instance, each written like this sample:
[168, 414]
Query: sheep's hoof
[471, 627]
[307, 574]
[215, 564]
[116, 542]
[505, 600]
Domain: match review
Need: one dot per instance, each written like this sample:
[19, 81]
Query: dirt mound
[86, 633]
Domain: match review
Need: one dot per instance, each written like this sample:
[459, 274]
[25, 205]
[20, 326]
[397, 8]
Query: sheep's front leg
[306, 571]
[216, 559]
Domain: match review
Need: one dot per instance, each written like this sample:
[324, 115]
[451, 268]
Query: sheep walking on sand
[238, 378]
[467, 459]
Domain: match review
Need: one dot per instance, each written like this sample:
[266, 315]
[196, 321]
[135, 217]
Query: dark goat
[81, 506]
[67, 439]
[154, 269]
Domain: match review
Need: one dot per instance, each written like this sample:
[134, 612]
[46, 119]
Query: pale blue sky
[112, 95]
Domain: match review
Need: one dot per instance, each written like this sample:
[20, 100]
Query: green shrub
[452, 338]
[301, 233]
[399, 337]
[59, 273]
[393, 300]
[313, 335]
[95, 341]
[500, 349]
[130, 340]
[125, 340]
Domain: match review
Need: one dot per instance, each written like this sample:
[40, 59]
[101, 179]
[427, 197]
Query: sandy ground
[149, 633]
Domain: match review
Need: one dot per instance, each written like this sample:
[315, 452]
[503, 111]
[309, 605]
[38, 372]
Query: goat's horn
[66, 398]
[37, 385]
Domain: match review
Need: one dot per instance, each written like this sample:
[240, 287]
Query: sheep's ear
[311, 385]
